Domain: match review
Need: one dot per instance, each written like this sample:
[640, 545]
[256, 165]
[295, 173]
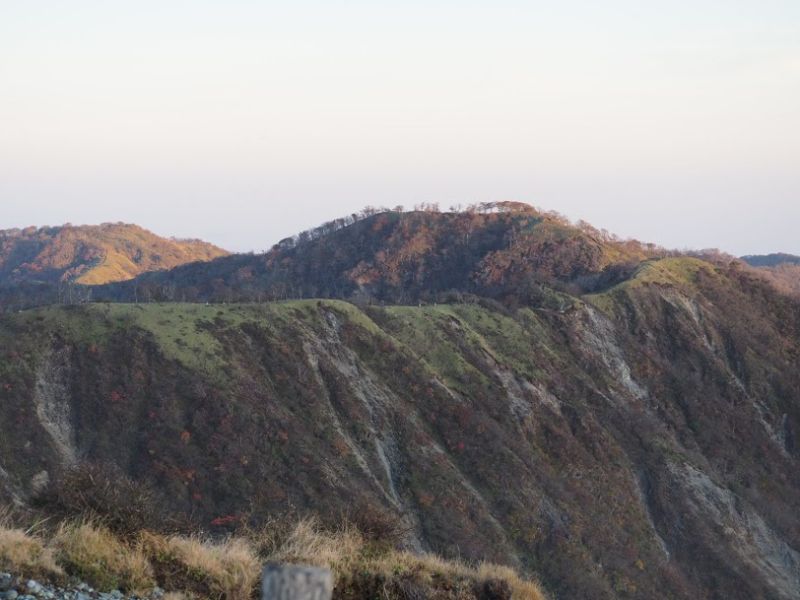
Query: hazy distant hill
[771, 260]
[92, 254]
[782, 270]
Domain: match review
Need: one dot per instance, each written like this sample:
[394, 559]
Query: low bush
[101, 493]
[379, 526]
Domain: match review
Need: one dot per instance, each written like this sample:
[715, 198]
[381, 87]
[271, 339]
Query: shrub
[101, 493]
[378, 525]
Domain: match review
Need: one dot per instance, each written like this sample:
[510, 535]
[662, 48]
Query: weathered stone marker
[291, 582]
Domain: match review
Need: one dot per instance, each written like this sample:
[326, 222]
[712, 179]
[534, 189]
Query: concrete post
[291, 582]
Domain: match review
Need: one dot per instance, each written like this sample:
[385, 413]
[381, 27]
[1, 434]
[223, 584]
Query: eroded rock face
[636, 445]
[747, 534]
[53, 403]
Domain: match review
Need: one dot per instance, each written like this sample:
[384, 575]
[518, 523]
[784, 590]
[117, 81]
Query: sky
[243, 122]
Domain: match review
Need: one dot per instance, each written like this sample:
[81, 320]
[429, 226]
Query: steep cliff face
[635, 443]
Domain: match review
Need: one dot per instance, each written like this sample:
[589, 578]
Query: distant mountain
[782, 270]
[499, 250]
[92, 255]
[771, 260]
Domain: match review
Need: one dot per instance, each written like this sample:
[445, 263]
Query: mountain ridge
[503, 250]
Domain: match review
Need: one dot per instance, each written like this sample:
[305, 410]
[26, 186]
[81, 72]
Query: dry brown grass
[307, 543]
[520, 588]
[25, 554]
[229, 569]
[93, 554]
[353, 559]
[429, 568]
[195, 567]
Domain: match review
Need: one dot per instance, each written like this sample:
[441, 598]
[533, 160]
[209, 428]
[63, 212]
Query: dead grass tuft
[521, 589]
[227, 570]
[308, 544]
[24, 554]
[364, 569]
[93, 554]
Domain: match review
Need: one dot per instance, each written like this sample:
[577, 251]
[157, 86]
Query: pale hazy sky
[245, 121]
